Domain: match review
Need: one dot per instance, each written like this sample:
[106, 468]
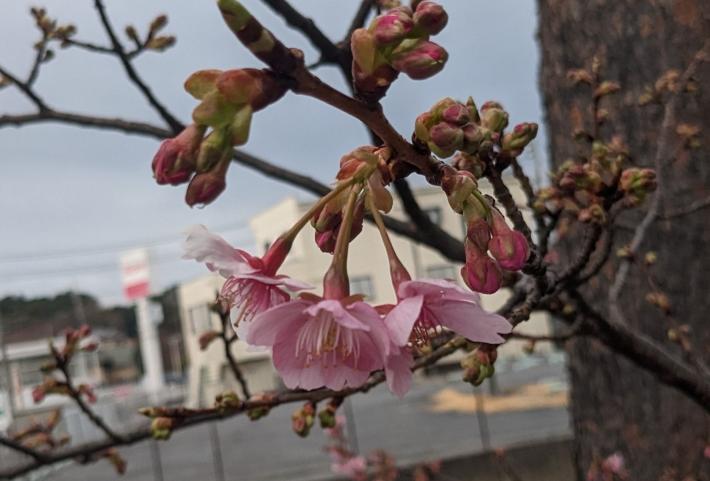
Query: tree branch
[329, 52]
[173, 122]
[19, 447]
[647, 354]
[227, 343]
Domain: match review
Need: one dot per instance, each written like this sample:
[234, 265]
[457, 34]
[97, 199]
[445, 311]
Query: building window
[362, 285]
[434, 214]
[200, 319]
[441, 272]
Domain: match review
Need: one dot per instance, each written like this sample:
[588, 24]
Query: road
[268, 450]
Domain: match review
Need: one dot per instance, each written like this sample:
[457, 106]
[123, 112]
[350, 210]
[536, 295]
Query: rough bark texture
[615, 405]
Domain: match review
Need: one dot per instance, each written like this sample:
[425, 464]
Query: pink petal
[435, 288]
[369, 316]
[471, 321]
[291, 284]
[340, 314]
[401, 319]
[398, 370]
[339, 377]
[203, 246]
[267, 326]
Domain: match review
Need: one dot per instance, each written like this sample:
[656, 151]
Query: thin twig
[76, 395]
[25, 88]
[227, 342]
[662, 152]
[19, 447]
[173, 122]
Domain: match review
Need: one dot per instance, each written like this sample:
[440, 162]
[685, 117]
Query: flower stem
[398, 272]
[336, 284]
[291, 234]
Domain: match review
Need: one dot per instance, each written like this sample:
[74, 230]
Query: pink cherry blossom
[252, 285]
[322, 342]
[354, 468]
[444, 304]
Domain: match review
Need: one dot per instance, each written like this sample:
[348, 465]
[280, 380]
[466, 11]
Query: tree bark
[615, 406]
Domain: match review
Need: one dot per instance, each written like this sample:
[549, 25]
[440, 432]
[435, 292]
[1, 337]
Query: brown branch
[76, 395]
[358, 21]
[25, 88]
[19, 447]
[647, 354]
[576, 329]
[444, 242]
[685, 209]
[329, 52]
[526, 186]
[227, 342]
[39, 58]
[173, 122]
[288, 397]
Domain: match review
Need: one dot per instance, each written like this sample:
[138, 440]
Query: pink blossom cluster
[337, 339]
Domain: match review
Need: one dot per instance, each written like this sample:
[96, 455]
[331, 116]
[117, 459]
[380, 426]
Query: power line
[113, 267]
[106, 248]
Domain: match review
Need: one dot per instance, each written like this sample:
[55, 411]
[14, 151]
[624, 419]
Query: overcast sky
[71, 199]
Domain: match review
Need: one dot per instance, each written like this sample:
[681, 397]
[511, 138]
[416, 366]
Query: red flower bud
[480, 273]
[430, 17]
[174, 162]
[457, 114]
[509, 247]
[204, 188]
[421, 60]
[393, 26]
[445, 139]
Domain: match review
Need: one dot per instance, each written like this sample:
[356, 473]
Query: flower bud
[445, 139]
[255, 87]
[419, 59]
[227, 400]
[205, 188]
[161, 428]
[212, 150]
[430, 17]
[392, 26]
[493, 116]
[480, 273]
[302, 419]
[521, 136]
[458, 188]
[637, 184]
[457, 114]
[175, 160]
[469, 162]
[509, 247]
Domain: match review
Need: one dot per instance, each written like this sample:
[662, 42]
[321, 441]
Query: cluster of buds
[40, 433]
[479, 365]
[227, 401]
[451, 126]
[636, 184]
[487, 232]
[227, 101]
[579, 189]
[302, 419]
[368, 164]
[74, 340]
[152, 40]
[398, 41]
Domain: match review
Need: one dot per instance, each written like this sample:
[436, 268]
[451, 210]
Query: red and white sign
[135, 274]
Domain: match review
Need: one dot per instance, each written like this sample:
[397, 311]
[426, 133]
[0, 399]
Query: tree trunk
[615, 405]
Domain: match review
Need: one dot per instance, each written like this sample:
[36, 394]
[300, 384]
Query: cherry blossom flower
[318, 342]
[252, 285]
[424, 307]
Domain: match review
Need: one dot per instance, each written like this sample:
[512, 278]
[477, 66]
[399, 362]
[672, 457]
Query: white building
[369, 275]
